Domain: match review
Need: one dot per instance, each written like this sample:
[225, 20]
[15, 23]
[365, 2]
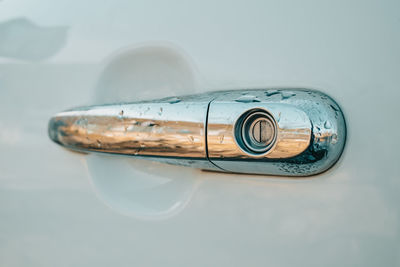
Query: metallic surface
[213, 127]
[311, 132]
[168, 129]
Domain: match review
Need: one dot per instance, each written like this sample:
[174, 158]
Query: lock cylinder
[256, 132]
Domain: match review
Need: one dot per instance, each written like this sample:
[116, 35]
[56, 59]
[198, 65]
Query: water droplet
[334, 108]
[334, 139]
[174, 100]
[148, 123]
[147, 109]
[82, 122]
[221, 139]
[191, 138]
[272, 92]
[328, 125]
[247, 99]
[129, 128]
[287, 95]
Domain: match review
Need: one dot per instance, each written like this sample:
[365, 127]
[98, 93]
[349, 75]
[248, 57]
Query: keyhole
[258, 132]
[262, 131]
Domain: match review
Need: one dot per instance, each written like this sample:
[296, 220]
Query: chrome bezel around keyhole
[244, 132]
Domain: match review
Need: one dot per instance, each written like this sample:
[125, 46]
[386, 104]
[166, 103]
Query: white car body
[59, 208]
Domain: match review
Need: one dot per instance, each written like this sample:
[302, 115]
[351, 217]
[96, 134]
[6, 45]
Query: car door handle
[293, 132]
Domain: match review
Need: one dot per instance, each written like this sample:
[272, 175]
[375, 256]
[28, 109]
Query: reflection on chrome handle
[278, 132]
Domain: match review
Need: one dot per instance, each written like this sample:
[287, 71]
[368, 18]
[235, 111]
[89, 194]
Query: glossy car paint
[59, 208]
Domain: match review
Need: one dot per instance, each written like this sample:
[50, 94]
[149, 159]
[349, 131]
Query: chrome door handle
[294, 132]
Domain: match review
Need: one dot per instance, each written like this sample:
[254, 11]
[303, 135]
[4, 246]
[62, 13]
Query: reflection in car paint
[20, 38]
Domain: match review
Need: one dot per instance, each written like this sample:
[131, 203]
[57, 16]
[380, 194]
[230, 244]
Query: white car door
[60, 208]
